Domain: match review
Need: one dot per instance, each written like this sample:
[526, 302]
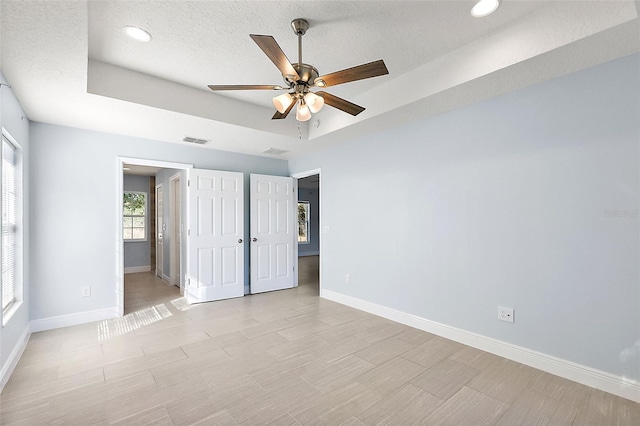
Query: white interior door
[215, 234]
[273, 226]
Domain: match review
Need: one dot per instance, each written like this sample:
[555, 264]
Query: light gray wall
[507, 202]
[62, 261]
[11, 119]
[312, 196]
[137, 253]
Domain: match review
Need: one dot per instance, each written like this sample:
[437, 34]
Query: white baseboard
[136, 269]
[607, 382]
[14, 357]
[73, 319]
[166, 279]
[308, 253]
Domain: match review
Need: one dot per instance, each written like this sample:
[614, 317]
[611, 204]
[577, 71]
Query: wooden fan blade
[279, 116]
[341, 104]
[271, 48]
[244, 87]
[372, 69]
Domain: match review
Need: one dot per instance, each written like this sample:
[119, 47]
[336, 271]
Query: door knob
[254, 239]
[239, 240]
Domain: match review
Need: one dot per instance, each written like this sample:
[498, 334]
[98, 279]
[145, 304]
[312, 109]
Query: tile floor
[281, 358]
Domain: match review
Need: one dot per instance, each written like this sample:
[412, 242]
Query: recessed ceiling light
[485, 8]
[137, 34]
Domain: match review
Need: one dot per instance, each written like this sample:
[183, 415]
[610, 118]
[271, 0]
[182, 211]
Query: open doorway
[149, 226]
[309, 240]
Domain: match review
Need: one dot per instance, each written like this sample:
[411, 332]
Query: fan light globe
[282, 102]
[314, 102]
[302, 112]
[485, 8]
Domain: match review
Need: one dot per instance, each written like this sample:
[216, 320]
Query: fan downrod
[308, 73]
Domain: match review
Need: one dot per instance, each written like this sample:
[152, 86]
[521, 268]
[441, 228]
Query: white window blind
[9, 222]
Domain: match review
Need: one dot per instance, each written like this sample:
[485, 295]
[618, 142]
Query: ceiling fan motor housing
[308, 74]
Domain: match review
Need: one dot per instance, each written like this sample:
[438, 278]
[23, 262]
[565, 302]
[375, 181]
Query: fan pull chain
[299, 131]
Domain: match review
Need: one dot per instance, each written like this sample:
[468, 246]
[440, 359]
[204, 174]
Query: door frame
[301, 175]
[175, 259]
[159, 251]
[117, 217]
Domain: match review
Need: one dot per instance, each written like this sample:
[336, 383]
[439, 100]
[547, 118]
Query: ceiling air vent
[274, 151]
[195, 140]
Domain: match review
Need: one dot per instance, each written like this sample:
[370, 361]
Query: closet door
[215, 235]
[273, 232]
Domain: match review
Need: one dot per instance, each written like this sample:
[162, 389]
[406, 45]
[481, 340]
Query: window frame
[307, 222]
[145, 216]
[18, 280]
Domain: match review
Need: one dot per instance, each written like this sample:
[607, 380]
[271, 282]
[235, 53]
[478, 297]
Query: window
[11, 220]
[303, 222]
[134, 220]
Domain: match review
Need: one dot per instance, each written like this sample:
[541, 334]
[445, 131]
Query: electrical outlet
[505, 314]
[347, 279]
[86, 291]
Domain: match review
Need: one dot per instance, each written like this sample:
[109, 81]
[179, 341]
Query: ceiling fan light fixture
[302, 112]
[314, 102]
[138, 34]
[301, 77]
[282, 102]
[485, 8]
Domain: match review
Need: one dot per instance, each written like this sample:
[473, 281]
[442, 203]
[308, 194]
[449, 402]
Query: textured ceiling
[201, 43]
[70, 64]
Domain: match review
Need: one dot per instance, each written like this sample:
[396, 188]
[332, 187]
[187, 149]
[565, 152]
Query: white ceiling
[70, 64]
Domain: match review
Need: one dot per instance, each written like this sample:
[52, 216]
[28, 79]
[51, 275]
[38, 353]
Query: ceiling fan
[300, 78]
